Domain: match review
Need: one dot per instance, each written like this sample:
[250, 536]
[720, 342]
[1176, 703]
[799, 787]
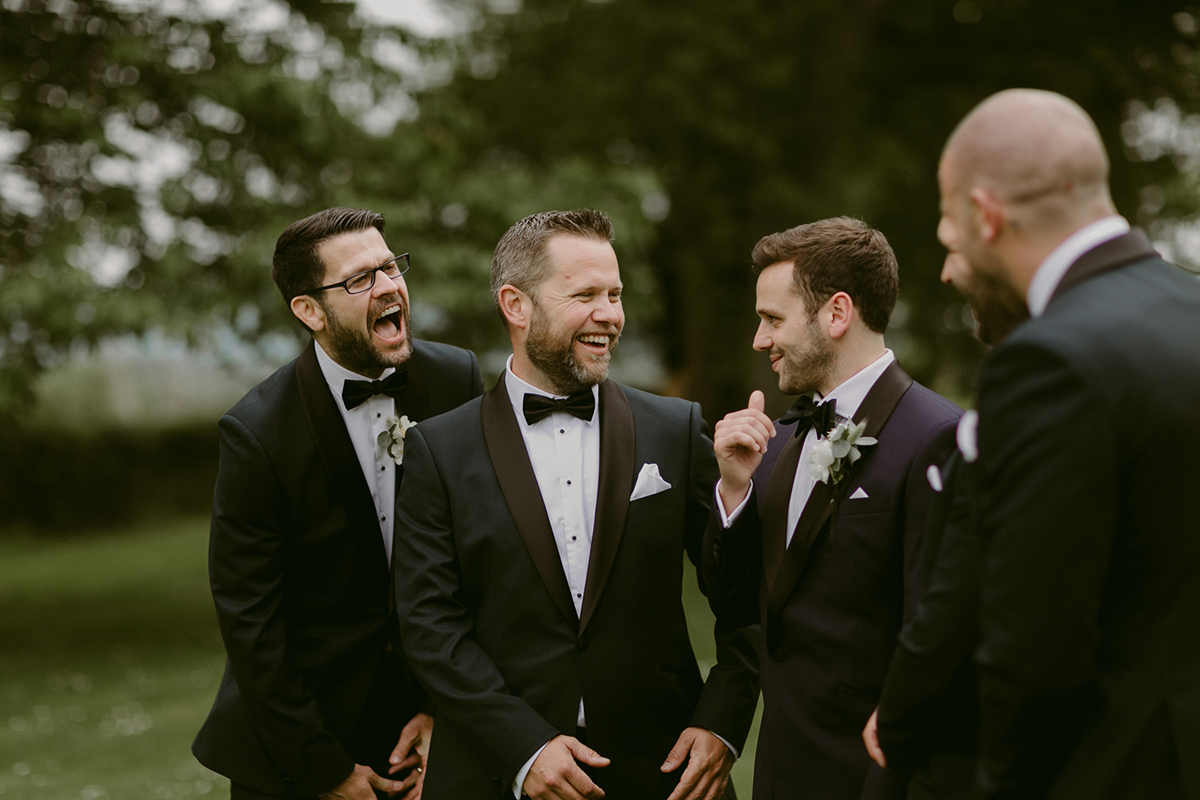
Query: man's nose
[761, 340]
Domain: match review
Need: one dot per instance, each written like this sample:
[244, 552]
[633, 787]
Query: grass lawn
[110, 658]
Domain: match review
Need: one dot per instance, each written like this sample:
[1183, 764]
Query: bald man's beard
[998, 308]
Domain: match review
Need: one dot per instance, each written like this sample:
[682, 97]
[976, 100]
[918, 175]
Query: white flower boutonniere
[392, 437]
[834, 453]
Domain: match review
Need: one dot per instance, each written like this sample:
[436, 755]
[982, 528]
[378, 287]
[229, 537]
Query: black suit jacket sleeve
[730, 695]
[1049, 472]
[929, 693]
[437, 625]
[732, 564]
[246, 567]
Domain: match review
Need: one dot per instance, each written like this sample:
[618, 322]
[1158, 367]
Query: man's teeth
[388, 311]
[598, 340]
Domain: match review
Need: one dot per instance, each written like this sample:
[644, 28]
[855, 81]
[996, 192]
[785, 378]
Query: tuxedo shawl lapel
[775, 506]
[514, 471]
[1133, 246]
[612, 493]
[875, 409]
[337, 451]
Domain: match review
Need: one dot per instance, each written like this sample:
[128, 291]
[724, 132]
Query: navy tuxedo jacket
[831, 603]
[1089, 459]
[315, 679]
[487, 618]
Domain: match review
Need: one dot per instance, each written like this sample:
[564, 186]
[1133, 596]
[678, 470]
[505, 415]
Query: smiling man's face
[577, 314]
[366, 332]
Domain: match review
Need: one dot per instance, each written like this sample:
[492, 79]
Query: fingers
[758, 402]
[871, 739]
[683, 746]
[581, 752]
[755, 425]
[384, 784]
[412, 760]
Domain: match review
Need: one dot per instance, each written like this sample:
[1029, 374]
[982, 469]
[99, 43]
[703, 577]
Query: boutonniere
[834, 454]
[392, 437]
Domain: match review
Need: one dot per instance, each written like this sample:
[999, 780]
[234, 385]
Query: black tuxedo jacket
[832, 602]
[489, 624]
[1089, 459]
[315, 680]
[929, 707]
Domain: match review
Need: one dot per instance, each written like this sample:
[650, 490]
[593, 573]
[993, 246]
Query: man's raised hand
[740, 439]
[555, 775]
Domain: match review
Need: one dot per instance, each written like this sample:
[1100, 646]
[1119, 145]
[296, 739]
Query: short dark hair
[841, 254]
[521, 258]
[296, 268]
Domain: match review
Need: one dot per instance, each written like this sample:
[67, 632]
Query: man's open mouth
[595, 343]
[389, 325]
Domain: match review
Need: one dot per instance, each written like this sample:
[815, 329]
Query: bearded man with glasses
[317, 700]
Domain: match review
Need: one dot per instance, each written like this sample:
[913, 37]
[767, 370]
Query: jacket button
[582, 644]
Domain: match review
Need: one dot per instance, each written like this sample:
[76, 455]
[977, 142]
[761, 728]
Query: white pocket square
[858, 493]
[648, 482]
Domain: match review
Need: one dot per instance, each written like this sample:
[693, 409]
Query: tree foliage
[149, 157]
[758, 115]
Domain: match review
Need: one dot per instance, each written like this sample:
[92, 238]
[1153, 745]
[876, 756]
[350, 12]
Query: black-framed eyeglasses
[363, 281]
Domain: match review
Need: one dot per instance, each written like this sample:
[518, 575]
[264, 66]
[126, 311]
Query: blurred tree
[761, 114]
[150, 155]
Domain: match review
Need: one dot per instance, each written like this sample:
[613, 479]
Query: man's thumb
[587, 755]
[757, 401]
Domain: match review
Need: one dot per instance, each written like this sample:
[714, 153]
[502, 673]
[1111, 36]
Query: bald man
[1088, 462]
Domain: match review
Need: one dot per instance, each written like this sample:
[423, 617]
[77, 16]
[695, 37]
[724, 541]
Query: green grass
[110, 658]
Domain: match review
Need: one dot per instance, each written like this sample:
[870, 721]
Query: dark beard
[815, 368]
[348, 347]
[997, 308]
[557, 361]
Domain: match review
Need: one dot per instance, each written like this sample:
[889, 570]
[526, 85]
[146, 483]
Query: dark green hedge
[68, 480]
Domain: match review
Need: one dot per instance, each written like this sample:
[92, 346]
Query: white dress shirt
[1051, 271]
[364, 423]
[565, 453]
[849, 396]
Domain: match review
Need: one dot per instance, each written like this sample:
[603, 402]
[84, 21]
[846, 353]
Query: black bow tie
[582, 404]
[355, 393]
[822, 416]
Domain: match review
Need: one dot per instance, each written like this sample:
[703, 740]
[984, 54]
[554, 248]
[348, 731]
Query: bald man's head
[1036, 152]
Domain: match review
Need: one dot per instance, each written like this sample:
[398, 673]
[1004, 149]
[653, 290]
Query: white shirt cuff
[728, 519]
[519, 781]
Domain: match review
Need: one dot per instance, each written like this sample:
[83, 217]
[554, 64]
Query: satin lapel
[337, 451]
[1133, 246]
[775, 507]
[612, 493]
[876, 408]
[510, 459]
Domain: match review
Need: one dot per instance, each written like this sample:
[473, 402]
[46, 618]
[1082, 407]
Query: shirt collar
[336, 375]
[1051, 271]
[517, 389]
[850, 393]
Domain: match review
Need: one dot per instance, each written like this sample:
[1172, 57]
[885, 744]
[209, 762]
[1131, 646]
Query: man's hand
[871, 738]
[361, 785]
[739, 440]
[555, 774]
[709, 760]
[411, 752]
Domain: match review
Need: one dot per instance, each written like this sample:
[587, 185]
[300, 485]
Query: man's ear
[308, 311]
[840, 312]
[989, 214]
[515, 306]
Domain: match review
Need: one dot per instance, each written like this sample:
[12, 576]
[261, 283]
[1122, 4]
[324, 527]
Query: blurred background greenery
[152, 150]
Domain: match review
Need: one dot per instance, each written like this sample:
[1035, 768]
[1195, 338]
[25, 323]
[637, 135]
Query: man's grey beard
[557, 361]
[349, 348]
